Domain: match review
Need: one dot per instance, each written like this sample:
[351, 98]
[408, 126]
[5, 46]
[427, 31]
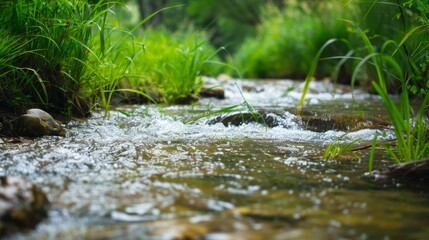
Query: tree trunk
[148, 7]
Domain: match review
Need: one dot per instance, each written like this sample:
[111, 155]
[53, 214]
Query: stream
[141, 173]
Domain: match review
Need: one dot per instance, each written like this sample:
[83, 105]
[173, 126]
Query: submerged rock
[349, 121]
[22, 205]
[34, 123]
[236, 119]
[411, 172]
[264, 213]
[308, 121]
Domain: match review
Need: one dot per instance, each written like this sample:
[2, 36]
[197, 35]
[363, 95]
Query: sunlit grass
[173, 63]
[76, 54]
[288, 40]
[55, 38]
[410, 127]
[337, 150]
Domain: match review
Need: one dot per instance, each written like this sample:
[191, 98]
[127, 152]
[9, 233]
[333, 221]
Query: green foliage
[229, 21]
[415, 45]
[410, 127]
[400, 28]
[173, 62]
[55, 37]
[371, 154]
[310, 74]
[109, 61]
[213, 113]
[289, 38]
[244, 105]
[392, 61]
[336, 150]
[11, 48]
[60, 55]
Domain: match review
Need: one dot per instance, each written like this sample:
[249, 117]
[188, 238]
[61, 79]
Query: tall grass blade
[220, 111]
[310, 74]
[371, 154]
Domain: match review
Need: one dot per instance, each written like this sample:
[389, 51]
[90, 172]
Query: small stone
[215, 91]
[212, 88]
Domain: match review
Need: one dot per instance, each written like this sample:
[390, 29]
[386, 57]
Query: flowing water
[144, 174]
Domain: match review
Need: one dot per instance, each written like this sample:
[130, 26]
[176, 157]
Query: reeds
[387, 59]
[410, 126]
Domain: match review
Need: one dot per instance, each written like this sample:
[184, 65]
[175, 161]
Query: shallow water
[145, 174]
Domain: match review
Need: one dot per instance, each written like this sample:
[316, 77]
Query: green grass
[55, 38]
[337, 150]
[393, 64]
[410, 126]
[114, 62]
[158, 65]
[173, 64]
[10, 49]
[310, 74]
[224, 110]
[288, 39]
[72, 56]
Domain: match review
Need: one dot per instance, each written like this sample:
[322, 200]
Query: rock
[215, 91]
[266, 214]
[45, 117]
[35, 123]
[186, 99]
[307, 120]
[22, 205]
[236, 119]
[212, 88]
[350, 121]
[411, 172]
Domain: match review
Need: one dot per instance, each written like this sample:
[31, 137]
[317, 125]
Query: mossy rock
[34, 123]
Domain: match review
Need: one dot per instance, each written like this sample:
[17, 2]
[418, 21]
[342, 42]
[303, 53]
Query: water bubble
[335, 223]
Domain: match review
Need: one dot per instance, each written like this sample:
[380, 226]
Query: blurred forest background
[279, 38]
